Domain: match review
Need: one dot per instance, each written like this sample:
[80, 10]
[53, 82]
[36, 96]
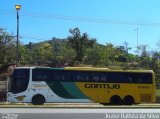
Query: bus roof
[104, 69]
[86, 69]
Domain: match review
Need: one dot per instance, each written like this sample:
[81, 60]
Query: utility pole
[137, 37]
[18, 7]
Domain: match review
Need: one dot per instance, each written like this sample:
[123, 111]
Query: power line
[31, 37]
[82, 19]
[7, 12]
[34, 38]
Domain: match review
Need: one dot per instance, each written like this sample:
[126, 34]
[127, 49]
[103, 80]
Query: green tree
[121, 53]
[92, 56]
[126, 47]
[79, 42]
[7, 48]
[155, 61]
[26, 55]
[111, 53]
[68, 55]
[43, 54]
[145, 59]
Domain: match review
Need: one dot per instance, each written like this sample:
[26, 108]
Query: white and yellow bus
[39, 85]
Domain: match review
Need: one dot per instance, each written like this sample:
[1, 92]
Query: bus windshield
[18, 81]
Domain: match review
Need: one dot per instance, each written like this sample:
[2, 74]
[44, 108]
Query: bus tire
[115, 100]
[128, 100]
[38, 99]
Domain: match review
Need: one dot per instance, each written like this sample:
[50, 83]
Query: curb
[78, 106]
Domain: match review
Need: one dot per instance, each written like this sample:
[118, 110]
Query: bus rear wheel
[38, 99]
[115, 100]
[128, 100]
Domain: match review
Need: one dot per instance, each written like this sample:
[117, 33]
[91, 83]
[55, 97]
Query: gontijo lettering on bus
[103, 86]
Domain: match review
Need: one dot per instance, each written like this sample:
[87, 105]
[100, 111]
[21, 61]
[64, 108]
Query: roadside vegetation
[78, 49]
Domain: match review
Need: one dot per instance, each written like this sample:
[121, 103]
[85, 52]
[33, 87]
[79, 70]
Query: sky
[109, 21]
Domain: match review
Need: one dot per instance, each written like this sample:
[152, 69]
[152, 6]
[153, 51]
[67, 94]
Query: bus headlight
[9, 97]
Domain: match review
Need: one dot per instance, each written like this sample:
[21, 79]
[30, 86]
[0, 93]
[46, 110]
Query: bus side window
[103, 77]
[140, 80]
[95, 77]
[125, 78]
[116, 77]
[56, 74]
[137, 78]
[67, 76]
[86, 76]
[53, 75]
[79, 78]
[63, 76]
[41, 75]
[36, 75]
[130, 80]
[133, 78]
[148, 78]
[46, 75]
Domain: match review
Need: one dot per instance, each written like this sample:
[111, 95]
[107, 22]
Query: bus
[39, 85]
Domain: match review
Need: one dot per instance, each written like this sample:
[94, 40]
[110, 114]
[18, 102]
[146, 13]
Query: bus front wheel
[115, 100]
[38, 99]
